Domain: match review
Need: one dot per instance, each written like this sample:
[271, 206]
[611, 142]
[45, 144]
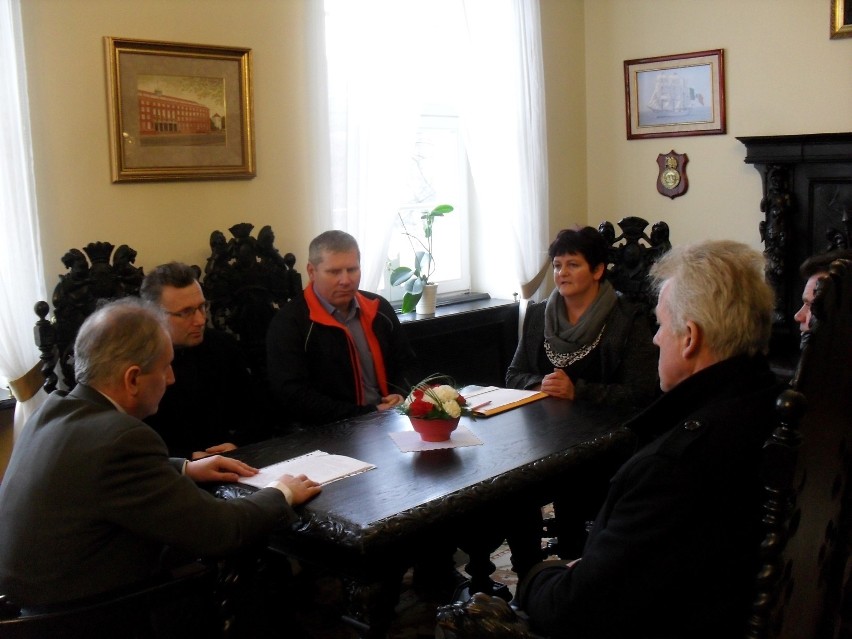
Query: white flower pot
[426, 305]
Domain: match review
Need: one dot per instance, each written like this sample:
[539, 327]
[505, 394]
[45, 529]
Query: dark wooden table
[373, 525]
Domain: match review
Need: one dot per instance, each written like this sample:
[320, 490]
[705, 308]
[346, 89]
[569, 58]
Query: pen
[478, 406]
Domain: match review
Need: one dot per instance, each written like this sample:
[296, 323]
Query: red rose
[420, 408]
[461, 401]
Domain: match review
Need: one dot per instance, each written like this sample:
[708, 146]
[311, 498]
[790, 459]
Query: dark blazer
[213, 399]
[90, 500]
[674, 550]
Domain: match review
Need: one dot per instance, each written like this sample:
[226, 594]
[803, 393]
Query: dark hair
[820, 263]
[176, 274]
[586, 241]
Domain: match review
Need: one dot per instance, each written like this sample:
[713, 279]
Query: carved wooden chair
[246, 280]
[805, 575]
[128, 612]
[95, 273]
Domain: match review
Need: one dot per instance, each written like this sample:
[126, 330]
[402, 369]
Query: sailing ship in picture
[675, 96]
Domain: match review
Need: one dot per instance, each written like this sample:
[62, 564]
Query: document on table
[317, 465]
[490, 400]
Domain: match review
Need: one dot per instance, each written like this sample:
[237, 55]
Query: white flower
[452, 408]
[445, 393]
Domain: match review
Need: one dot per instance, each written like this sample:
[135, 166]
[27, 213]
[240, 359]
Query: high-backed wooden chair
[95, 273]
[808, 511]
[156, 609]
[246, 281]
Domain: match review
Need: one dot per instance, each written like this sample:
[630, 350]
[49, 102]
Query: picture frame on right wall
[675, 95]
[841, 19]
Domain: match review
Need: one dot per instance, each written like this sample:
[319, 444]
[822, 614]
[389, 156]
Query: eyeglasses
[189, 313]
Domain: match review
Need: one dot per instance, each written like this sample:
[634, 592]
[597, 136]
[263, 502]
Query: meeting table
[371, 527]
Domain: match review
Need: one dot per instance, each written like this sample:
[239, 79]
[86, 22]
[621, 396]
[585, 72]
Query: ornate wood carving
[91, 277]
[246, 281]
[631, 255]
[807, 514]
[806, 204]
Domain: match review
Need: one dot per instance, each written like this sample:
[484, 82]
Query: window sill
[448, 299]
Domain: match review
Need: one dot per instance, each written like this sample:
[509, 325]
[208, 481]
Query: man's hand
[216, 468]
[390, 401]
[558, 384]
[300, 487]
[214, 450]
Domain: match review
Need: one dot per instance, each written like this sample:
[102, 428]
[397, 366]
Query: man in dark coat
[90, 499]
[674, 550]
[337, 352]
[213, 406]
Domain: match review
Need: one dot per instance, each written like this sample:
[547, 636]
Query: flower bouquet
[434, 407]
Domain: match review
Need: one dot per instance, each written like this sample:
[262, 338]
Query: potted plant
[434, 407]
[416, 279]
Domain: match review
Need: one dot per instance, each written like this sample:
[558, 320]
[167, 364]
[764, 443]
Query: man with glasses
[208, 409]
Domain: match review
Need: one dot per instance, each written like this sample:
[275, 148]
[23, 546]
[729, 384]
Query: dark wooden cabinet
[472, 341]
[807, 208]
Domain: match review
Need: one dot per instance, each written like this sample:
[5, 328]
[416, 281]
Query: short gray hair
[333, 242]
[720, 285]
[123, 333]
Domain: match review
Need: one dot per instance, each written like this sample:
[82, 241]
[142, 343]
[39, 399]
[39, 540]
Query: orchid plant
[414, 279]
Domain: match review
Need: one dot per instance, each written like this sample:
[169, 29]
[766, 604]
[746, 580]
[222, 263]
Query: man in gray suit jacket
[90, 498]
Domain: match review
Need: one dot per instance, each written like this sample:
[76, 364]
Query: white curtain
[504, 124]
[21, 274]
[374, 52]
[380, 55]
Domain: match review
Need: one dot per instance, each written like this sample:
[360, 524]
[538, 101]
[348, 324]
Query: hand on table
[301, 488]
[390, 402]
[558, 384]
[214, 450]
[216, 468]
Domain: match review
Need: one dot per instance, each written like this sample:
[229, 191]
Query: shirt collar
[332, 309]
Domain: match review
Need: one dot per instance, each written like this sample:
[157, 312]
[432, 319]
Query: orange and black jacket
[313, 363]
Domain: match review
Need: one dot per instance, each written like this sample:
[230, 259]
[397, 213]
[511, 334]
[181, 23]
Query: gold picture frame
[841, 19]
[179, 111]
[675, 95]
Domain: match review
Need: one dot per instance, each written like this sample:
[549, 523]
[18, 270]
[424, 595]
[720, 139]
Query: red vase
[434, 430]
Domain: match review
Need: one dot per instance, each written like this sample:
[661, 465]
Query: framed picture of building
[179, 111]
[675, 95]
[841, 19]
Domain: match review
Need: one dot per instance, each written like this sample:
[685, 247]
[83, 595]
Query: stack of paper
[317, 465]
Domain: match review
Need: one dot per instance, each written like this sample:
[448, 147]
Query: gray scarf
[566, 343]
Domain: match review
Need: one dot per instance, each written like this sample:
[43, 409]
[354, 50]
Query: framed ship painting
[179, 111]
[675, 95]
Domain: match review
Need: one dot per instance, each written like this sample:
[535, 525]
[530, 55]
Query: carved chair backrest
[95, 273]
[246, 280]
[631, 255]
[808, 510]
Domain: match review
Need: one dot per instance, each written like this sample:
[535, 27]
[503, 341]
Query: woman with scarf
[584, 343]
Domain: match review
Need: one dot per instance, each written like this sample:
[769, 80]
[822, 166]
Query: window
[430, 102]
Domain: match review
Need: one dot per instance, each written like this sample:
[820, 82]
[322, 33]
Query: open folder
[490, 400]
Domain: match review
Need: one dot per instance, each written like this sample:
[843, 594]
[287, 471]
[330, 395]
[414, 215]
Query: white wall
[784, 75]
[162, 221]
